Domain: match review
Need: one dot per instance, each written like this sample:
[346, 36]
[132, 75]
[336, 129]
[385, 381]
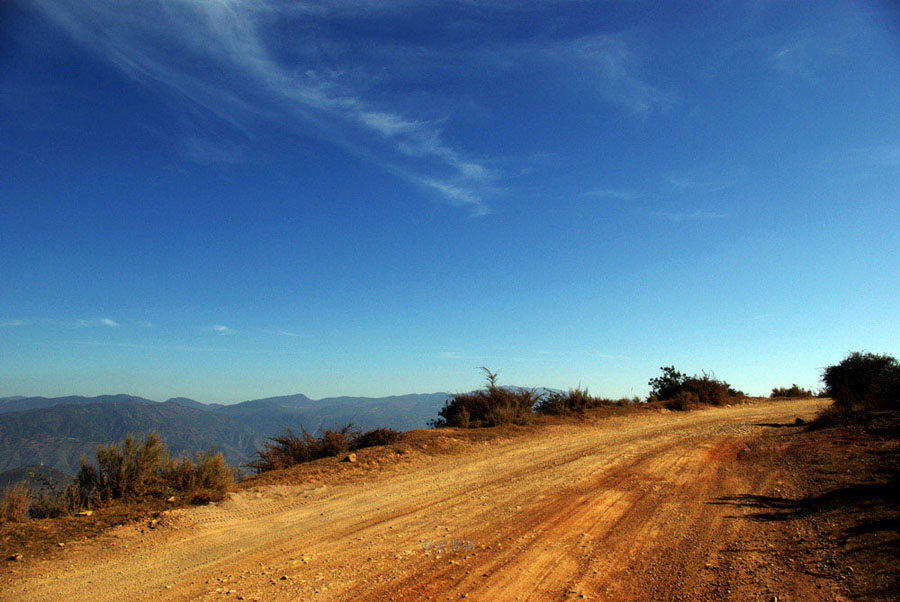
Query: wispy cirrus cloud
[805, 57]
[107, 322]
[614, 61]
[287, 333]
[222, 329]
[227, 61]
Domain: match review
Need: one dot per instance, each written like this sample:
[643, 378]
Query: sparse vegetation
[143, 468]
[680, 391]
[288, 448]
[792, 391]
[574, 401]
[491, 406]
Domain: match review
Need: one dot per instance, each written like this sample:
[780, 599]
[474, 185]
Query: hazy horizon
[228, 201]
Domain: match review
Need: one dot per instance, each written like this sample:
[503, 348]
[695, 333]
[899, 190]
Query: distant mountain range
[57, 431]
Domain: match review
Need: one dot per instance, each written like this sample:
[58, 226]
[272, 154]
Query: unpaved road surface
[629, 508]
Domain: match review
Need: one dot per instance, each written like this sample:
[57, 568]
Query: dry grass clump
[14, 503]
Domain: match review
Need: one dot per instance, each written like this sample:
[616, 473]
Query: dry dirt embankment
[626, 509]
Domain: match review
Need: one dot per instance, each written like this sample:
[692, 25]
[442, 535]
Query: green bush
[491, 406]
[864, 381]
[792, 391]
[667, 386]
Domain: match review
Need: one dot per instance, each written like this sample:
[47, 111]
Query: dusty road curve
[623, 510]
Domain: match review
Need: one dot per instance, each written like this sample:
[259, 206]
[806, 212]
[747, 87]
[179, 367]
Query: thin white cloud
[13, 323]
[109, 322]
[223, 330]
[287, 333]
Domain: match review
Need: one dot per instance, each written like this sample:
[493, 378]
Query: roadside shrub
[202, 481]
[130, 471]
[681, 391]
[710, 390]
[491, 406]
[792, 391]
[288, 448]
[14, 503]
[864, 380]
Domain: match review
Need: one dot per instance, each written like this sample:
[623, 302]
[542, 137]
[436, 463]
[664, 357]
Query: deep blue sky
[229, 200]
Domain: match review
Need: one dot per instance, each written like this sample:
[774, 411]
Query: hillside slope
[631, 508]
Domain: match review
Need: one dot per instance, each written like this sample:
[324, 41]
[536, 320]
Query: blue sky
[228, 200]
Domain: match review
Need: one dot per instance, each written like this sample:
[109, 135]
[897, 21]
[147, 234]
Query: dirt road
[627, 509]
